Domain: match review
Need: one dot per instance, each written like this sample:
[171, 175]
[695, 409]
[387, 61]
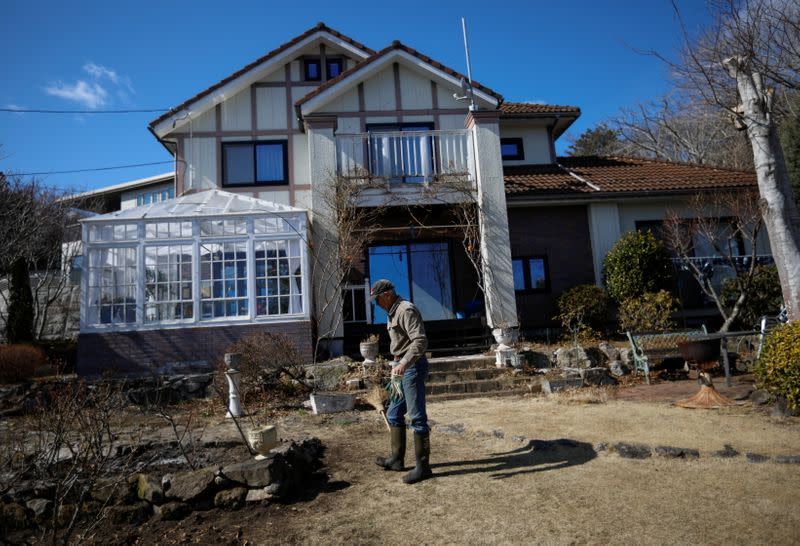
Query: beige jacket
[406, 332]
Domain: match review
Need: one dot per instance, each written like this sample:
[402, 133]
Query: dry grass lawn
[489, 489]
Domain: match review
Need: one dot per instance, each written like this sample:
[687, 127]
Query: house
[464, 205]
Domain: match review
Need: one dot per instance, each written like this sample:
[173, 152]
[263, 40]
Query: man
[407, 344]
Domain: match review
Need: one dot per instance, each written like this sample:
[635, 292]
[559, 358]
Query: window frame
[322, 70]
[517, 141]
[255, 143]
[336, 60]
[526, 274]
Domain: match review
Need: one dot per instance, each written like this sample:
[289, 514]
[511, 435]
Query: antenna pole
[469, 65]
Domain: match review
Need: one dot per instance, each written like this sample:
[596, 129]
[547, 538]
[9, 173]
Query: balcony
[405, 158]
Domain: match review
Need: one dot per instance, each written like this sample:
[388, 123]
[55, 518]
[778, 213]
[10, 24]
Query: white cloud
[16, 107]
[91, 95]
[99, 72]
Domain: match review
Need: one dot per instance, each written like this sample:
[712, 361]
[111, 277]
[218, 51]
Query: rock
[782, 409]
[609, 351]
[551, 386]
[271, 492]
[41, 508]
[114, 491]
[172, 511]
[626, 356]
[571, 373]
[618, 368]
[760, 397]
[572, 357]
[632, 451]
[250, 473]
[149, 489]
[597, 377]
[230, 499]
[12, 517]
[535, 359]
[130, 513]
[327, 375]
[354, 384]
[788, 459]
[677, 452]
[191, 486]
[726, 453]
[331, 402]
[756, 457]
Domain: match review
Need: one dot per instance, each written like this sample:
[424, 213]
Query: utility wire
[97, 169]
[40, 111]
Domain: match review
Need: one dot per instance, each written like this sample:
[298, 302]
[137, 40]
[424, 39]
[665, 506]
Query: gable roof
[594, 176]
[393, 47]
[318, 28]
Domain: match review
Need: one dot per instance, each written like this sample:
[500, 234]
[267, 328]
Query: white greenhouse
[208, 258]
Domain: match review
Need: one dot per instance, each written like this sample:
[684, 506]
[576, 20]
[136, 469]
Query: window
[223, 280]
[398, 157]
[511, 148]
[112, 285]
[279, 287]
[249, 163]
[530, 274]
[312, 69]
[151, 197]
[168, 283]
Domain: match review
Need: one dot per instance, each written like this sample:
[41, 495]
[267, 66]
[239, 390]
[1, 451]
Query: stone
[782, 409]
[726, 453]
[231, 499]
[498, 434]
[128, 513]
[326, 376]
[149, 489]
[41, 508]
[12, 517]
[535, 359]
[551, 386]
[115, 491]
[609, 351]
[626, 357]
[677, 452]
[788, 459]
[618, 368]
[251, 473]
[572, 357]
[172, 511]
[353, 384]
[331, 402]
[760, 397]
[597, 377]
[190, 486]
[632, 451]
[571, 373]
[271, 492]
[756, 457]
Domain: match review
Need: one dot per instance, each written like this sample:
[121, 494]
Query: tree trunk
[781, 216]
[19, 326]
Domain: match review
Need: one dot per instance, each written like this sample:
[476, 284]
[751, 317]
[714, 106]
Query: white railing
[412, 157]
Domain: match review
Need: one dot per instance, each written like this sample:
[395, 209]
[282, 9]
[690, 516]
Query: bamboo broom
[376, 397]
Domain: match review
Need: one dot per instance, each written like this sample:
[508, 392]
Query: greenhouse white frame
[247, 263]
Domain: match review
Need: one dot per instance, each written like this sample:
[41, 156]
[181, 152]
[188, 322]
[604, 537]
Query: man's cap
[381, 286]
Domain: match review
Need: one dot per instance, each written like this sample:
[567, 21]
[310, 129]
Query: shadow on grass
[535, 456]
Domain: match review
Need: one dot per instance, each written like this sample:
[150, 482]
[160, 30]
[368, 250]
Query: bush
[764, 297]
[583, 310]
[19, 362]
[778, 368]
[638, 263]
[650, 312]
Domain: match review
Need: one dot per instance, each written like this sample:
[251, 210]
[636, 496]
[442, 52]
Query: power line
[41, 111]
[96, 169]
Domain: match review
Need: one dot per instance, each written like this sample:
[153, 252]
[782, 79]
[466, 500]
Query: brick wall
[561, 234]
[179, 350]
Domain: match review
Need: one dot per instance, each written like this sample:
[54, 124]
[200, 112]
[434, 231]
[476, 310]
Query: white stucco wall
[271, 108]
[415, 91]
[379, 91]
[535, 144]
[201, 164]
[205, 122]
[236, 112]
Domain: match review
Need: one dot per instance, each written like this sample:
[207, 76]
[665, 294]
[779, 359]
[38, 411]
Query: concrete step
[462, 395]
[467, 362]
[471, 374]
[477, 386]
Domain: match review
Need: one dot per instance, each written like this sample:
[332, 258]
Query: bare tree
[730, 224]
[745, 63]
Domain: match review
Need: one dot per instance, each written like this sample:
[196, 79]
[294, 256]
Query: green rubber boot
[396, 460]
[422, 451]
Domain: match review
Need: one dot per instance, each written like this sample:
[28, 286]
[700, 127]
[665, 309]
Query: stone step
[471, 374]
[477, 386]
[454, 363]
[462, 395]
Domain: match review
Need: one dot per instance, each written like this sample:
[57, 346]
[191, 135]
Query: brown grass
[586, 395]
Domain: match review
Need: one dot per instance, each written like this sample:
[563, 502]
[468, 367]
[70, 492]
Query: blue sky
[155, 54]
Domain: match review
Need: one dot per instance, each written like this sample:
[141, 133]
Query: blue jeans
[413, 400]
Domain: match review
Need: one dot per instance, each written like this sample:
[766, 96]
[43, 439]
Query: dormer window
[312, 68]
[511, 149]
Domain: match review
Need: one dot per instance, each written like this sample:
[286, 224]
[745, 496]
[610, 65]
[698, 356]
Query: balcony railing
[405, 157]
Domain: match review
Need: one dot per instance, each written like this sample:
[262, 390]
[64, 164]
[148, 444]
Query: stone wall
[176, 350]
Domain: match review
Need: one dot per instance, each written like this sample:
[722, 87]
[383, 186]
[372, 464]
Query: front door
[420, 272]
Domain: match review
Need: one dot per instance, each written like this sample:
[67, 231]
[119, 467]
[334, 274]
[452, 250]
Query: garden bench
[650, 348]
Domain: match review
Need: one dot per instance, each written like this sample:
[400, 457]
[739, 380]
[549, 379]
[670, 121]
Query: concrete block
[550, 386]
[331, 402]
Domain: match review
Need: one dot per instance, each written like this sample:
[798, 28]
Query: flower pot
[369, 350]
[263, 440]
[502, 336]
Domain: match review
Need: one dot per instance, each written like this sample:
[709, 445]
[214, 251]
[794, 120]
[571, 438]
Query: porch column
[498, 275]
[326, 276]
